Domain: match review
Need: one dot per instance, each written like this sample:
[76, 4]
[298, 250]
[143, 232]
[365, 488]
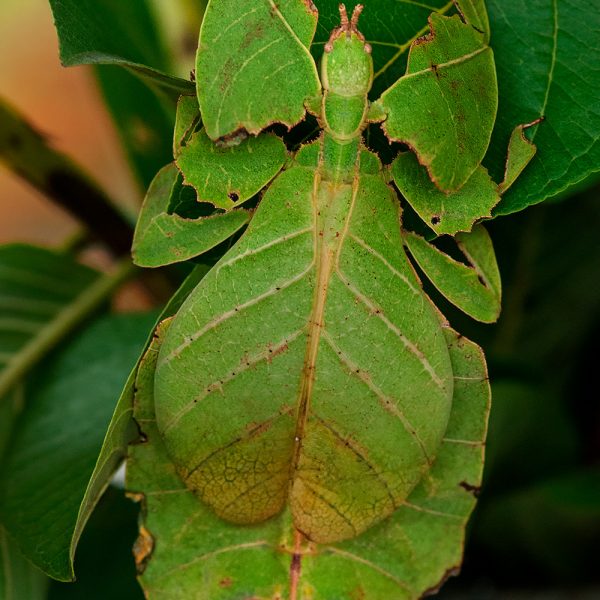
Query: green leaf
[445, 106]
[162, 238]
[44, 295]
[474, 288]
[253, 66]
[187, 119]
[475, 13]
[243, 358]
[520, 153]
[557, 77]
[183, 547]
[63, 450]
[19, 579]
[444, 212]
[228, 176]
[109, 32]
[10, 407]
[125, 403]
[143, 121]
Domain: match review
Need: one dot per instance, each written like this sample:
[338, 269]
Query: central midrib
[327, 247]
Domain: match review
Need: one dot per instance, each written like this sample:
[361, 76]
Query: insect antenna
[344, 17]
[355, 16]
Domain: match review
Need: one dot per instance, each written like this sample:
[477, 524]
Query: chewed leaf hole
[233, 196]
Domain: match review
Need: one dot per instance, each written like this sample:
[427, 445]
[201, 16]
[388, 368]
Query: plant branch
[73, 314]
[27, 153]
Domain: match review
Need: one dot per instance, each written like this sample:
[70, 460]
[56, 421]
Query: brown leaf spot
[225, 582]
[254, 34]
[232, 139]
[473, 489]
[142, 549]
[311, 6]
[135, 496]
[275, 351]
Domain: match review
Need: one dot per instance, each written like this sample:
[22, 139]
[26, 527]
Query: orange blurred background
[65, 106]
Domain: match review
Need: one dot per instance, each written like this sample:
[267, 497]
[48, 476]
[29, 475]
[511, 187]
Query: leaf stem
[66, 320]
[27, 154]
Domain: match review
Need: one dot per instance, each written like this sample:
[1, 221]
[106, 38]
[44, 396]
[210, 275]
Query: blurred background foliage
[536, 530]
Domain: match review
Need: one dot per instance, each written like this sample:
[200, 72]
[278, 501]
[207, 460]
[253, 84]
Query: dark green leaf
[104, 563]
[111, 32]
[548, 62]
[44, 295]
[63, 450]
[19, 579]
[115, 33]
[144, 122]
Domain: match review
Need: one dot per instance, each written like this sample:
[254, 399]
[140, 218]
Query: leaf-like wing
[162, 238]
[183, 547]
[253, 66]
[445, 212]
[187, 120]
[277, 330]
[520, 153]
[228, 176]
[474, 288]
[475, 14]
[445, 106]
